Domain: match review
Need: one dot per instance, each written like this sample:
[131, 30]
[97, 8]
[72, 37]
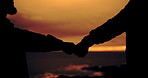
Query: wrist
[86, 42]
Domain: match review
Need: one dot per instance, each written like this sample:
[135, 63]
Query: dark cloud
[43, 27]
[70, 71]
[57, 29]
[45, 75]
[109, 72]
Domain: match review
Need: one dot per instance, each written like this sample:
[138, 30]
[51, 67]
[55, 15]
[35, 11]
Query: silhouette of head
[7, 7]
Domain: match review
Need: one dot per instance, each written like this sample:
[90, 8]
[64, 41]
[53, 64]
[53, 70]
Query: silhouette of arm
[24, 40]
[33, 42]
[109, 30]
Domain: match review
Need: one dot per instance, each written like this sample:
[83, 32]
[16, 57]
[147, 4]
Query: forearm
[106, 32]
[109, 30]
[34, 42]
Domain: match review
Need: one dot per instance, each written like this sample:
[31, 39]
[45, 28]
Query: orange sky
[69, 20]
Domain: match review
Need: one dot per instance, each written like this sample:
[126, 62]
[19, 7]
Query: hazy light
[75, 17]
[108, 48]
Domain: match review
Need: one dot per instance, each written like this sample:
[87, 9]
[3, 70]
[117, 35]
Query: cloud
[76, 68]
[98, 74]
[67, 16]
[24, 22]
[113, 70]
[67, 20]
[91, 72]
[83, 69]
[46, 75]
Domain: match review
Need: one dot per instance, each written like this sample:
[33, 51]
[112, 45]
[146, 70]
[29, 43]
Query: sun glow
[69, 20]
[107, 48]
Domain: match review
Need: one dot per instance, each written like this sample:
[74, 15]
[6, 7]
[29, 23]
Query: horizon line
[107, 49]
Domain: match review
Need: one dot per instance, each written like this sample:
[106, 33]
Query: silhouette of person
[127, 20]
[18, 41]
[113, 27]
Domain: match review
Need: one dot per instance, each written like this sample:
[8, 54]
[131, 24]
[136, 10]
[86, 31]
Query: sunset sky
[69, 20]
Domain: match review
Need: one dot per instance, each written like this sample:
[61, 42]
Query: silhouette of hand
[81, 50]
[68, 47]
